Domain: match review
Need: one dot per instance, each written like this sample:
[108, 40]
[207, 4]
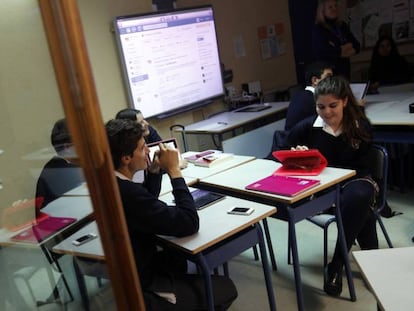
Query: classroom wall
[275, 74]
[30, 101]
[240, 20]
[29, 97]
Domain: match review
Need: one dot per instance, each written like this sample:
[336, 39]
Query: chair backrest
[379, 171]
[278, 143]
[295, 88]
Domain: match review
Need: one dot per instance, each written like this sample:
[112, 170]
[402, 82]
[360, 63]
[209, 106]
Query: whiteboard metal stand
[181, 128]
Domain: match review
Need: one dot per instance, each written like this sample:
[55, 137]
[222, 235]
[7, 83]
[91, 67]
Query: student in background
[387, 65]
[165, 283]
[302, 104]
[342, 133]
[61, 173]
[151, 135]
[332, 40]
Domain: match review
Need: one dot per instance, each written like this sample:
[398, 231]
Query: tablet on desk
[204, 198]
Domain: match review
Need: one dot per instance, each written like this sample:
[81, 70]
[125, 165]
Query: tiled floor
[248, 276]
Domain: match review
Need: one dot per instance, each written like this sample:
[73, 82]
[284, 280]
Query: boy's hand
[167, 159]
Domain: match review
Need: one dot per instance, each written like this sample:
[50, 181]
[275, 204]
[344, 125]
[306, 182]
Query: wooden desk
[231, 120]
[390, 117]
[209, 248]
[390, 275]
[291, 209]
[193, 171]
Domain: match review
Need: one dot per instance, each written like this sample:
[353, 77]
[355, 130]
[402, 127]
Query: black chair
[379, 161]
[278, 143]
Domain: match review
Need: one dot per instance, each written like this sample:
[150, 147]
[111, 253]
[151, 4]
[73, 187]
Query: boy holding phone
[165, 283]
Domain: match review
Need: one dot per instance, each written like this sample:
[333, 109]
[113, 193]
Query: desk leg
[269, 245]
[295, 256]
[341, 235]
[207, 281]
[266, 269]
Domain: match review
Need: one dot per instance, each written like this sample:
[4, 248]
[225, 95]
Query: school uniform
[57, 177]
[164, 280]
[356, 197]
[301, 106]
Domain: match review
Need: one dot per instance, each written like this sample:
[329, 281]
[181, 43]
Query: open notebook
[42, 229]
[36, 225]
[283, 185]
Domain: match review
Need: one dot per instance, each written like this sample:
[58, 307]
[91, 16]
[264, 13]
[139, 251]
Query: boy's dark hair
[123, 136]
[316, 69]
[128, 113]
[60, 135]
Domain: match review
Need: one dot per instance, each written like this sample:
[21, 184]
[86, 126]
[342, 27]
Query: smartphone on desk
[240, 211]
[84, 238]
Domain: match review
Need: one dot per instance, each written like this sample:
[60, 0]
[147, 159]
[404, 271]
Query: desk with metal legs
[290, 209]
[390, 117]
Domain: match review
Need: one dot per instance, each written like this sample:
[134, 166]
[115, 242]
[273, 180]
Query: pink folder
[43, 229]
[283, 185]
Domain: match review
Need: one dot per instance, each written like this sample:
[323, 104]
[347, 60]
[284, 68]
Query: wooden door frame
[63, 28]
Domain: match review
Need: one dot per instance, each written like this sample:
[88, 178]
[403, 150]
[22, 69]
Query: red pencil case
[300, 162]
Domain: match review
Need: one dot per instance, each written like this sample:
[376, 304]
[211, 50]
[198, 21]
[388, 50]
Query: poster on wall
[369, 19]
[271, 40]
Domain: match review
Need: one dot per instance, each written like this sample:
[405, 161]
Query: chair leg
[255, 253]
[62, 275]
[226, 269]
[325, 246]
[384, 231]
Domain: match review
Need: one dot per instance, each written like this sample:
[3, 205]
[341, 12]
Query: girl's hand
[298, 148]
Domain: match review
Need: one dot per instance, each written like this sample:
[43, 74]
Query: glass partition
[44, 199]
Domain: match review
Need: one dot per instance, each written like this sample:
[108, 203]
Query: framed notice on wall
[369, 19]
[271, 40]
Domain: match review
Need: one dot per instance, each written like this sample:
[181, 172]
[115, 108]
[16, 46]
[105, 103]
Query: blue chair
[379, 161]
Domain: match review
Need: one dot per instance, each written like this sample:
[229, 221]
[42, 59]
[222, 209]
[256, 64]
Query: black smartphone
[240, 210]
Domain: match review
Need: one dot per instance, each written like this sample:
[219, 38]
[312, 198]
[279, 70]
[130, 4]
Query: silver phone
[84, 238]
